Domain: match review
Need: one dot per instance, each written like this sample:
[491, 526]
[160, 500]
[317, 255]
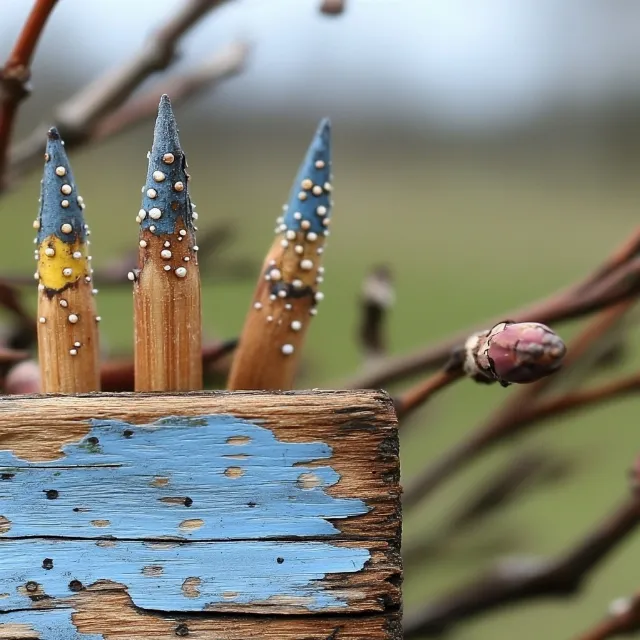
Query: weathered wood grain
[109, 615]
[359, 428]
[283, 506]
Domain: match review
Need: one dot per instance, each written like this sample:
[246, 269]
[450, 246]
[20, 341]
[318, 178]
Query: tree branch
[526, 579]
[77, 118]
[16, 73]
[517, 413]
[623, 620]
[617, 279]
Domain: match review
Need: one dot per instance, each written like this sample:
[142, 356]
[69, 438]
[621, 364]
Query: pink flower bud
[514, 352]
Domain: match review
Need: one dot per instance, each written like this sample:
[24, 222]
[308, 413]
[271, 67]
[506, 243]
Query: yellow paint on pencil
[61, 264]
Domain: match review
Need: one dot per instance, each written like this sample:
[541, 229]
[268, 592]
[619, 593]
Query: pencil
[287, 292]
[166, 285]
[67, 321]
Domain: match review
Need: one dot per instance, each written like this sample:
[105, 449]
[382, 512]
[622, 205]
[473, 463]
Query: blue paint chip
[181, 577]
[167, 178]
[145, 480]
[311, 200]
[60, 203]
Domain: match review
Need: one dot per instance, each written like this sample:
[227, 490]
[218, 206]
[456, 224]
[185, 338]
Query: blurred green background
[473, 220]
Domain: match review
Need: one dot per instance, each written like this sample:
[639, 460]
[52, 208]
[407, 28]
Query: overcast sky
[458, 62]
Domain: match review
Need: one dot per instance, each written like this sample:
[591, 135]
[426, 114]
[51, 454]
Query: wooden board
[161, 515]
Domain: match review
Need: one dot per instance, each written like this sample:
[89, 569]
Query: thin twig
[511, 417]
[416, 396]
[615, 280]
[526, 579]
[623, 620]
[77, 118]
[332, 7]
[224, 64]
[16, 73]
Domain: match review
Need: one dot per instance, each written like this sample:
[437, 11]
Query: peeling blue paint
[316, 167]
[58, 175]
[134, 481]
[53, 624]
[219, 572]
[174, 205]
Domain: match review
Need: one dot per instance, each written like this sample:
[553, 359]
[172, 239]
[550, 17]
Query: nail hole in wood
[47, 563]
[51, 494]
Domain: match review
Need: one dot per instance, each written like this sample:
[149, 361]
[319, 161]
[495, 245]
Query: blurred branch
[377, 297]
[617, 279]
[224, 64]
[332, 7]
[502, 488]
[77, 118]
[16, 73]
[526, 579]
[623, 620]
[520, 411]
[118, 374]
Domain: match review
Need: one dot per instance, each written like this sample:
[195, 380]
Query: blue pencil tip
[61, 208]
[166, 199]
[309, 205]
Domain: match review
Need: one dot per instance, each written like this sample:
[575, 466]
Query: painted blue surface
[109, 477]
[52, 624]
[52, 214]
[319, 150]
[228, 572]
[174, 205]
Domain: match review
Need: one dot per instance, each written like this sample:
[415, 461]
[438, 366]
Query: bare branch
[513, 416]
[15, 76]
[224, 64]
[617, 279]
[77, 118]
[623, 620]
[332, 7]
[526, 579]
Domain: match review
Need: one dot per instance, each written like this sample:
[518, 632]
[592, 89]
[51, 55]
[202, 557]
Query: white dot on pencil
[287, 349]
[297, 216]
[296, 325]
[131, 276]
[320, 164]
[64, 204]
[143, 244]
[158, 176]
[179, 186]
[61, 171]
[321, 211]
[317, 190]
[165, 253]
[98, 318]
[319, 296]
[73, 318]
[42, 319]
[257, 305]
[63, 303]
[50, 251]
[155, 213]
[181, 272]
[76, 344]
[152, 193]
[182, 232]
[77, 255]
[168, 158]
[306, 183]
[306, 265]
[305, 224]
[67, 271]
[142, 214]
[311, 236]
[36, 224]
[73, 352]
[66, 228]
[167, 267]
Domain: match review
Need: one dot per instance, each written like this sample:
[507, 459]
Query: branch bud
[513, 352]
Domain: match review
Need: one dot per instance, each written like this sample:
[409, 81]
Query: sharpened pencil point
[287, 292]
[167, 282]
[67, 332]
[166, 201]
